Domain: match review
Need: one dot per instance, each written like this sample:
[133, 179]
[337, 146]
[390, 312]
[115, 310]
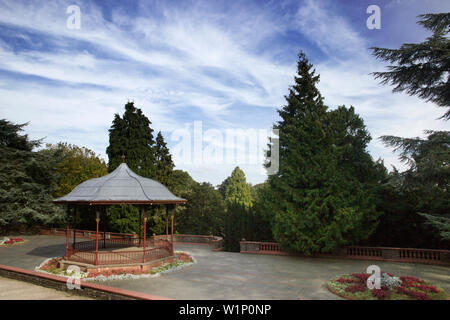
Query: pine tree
[422, 69]
[315, 206]
[27, 180]
[132, 136]
[163, 162]
[238, 190]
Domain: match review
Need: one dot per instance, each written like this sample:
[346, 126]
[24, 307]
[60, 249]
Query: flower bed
[51, 266]
[354, 287]
[8, 241]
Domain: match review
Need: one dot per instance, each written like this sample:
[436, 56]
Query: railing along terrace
[358, 252]
[269, 246]
[215, 241]
[364, 252]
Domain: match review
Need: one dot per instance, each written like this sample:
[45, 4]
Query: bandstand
[122, 186]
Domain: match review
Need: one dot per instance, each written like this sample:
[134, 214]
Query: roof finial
[123, 158]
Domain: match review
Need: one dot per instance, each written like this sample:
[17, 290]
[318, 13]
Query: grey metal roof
[120, 186]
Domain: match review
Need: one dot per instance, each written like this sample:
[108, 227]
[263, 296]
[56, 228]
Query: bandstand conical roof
[122, 186]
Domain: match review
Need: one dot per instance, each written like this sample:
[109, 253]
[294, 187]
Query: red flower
[345, 280]
[356, 288]
[426, 288]
[413, 294]
[380, 293]
[361, 276]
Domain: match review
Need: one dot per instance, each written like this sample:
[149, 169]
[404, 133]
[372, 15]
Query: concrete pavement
[227, 275]
[11, 289]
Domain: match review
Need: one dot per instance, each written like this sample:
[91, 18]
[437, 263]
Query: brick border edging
[91, 290]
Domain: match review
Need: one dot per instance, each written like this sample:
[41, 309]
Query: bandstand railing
[85, 251]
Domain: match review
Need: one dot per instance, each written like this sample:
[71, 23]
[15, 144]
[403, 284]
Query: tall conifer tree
[132, 136]
[237, 189]
[163, 162]
[315, 206]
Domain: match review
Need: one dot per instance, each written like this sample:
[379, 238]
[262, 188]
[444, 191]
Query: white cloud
[167, 59]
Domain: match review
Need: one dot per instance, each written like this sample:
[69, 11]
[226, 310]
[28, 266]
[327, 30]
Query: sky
[217, 65]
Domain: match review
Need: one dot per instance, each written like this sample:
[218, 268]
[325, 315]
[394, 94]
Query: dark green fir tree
[132, 136]
[316, 207]
[163, 162]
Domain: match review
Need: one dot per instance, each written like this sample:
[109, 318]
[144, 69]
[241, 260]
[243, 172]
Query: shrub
[380, 293]
[361, 276]
[345, 280]
[356, 288]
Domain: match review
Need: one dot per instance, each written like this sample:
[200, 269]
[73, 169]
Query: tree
[316, 207]
[235, 226]
[204, 213]
[351, 139]
[183, 184]
[27, 181]
[422, 69]
[425, 184]
[223, 187]
[237, 189]
[441, 223]
[163, 162]
[132, 136]
[74, 166]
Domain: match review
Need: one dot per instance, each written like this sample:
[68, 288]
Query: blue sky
[225, 63]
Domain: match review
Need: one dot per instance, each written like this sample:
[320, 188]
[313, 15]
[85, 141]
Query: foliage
[27, 180]
[316, 205]
[132, 136]
[244, 223]
[204, 212]
[122, 218]
[74, 166]
[183, 184]
[441, 223]
[163, 162]
[422, 69]
[354, 286]
[235, 224]
[237, 189]
[423, 187]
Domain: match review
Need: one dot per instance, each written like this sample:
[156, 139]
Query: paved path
[11, 289]
[226, 275]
